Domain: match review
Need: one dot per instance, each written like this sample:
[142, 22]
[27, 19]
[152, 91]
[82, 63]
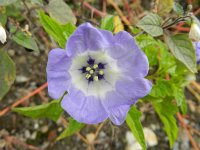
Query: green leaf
[145, 41]
[178, 93]
[178, 8]
[61, 12]
[6, 2]
[107, 23]
[150, 46]
[165, 6]
[25, 40]
[167, 60]
[166, 111]
[151, 24]
[3, 16]
[39, 2]
[133, 121]
[14, 11]
[182, 48]
[50, 110]
[184, 106]
[71, 129]
[162, 88]
[60, 33]
[7, 73]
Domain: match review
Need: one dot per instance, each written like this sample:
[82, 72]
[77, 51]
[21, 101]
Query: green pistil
[87, 76]
[95, 66]
[101, 72]
[88, 69]
[91, 71]
[96, 78]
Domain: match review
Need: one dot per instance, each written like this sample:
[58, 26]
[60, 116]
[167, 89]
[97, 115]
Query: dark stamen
[91, 61]
[90, 79]
[100, 76]
[83, 69]
[101, 66]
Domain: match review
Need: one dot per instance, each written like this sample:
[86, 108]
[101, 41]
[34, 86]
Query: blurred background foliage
[34, 27]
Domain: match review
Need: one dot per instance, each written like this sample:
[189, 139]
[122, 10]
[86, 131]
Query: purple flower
[197, 48]
[103, 75]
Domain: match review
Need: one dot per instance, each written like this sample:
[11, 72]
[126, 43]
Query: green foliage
[166, 111]
[39, 2]
[133, 121]
[162, 88]
[178, 8]
[3, 17]
[163, 91]
[7, 73]
[182, 48]
[71, 129]
[9, 11]
[151, 24]
[178, 94]
[107, 23]
[184, 106]
[149, 45]
[14, 11]
[50, 110]
[25, 40]
[61, 12]
[6, 2]
[165, 6]
[166, 59]
[59, 32]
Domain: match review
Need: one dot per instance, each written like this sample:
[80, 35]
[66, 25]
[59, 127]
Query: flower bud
[2, 34]
[189, 7]
[194, 33]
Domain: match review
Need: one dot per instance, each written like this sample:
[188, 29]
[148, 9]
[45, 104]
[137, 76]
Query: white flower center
[94, 73]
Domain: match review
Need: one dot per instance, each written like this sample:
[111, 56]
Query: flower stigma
[93, 72]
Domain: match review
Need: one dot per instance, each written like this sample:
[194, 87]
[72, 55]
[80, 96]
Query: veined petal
[131, 59]
[127, 92]
[118, 102]
[133, 89]
[58, 83]
[197, 49]
[118, 114]
[58, 77]
[58, 60]
[85, 109]
[87, 37]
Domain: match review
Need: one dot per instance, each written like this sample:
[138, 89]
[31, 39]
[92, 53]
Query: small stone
[33, 136]
[11, 52]
[102, 134]
[27, 134]
[21, 79]
[2, 143]
[60, 129]
[90, 137]
[36, 126]
[150, 137]
[132, 143]
[44, 129]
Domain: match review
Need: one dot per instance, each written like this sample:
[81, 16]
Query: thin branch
[94, 10]
[192, 141]
[23, 99]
